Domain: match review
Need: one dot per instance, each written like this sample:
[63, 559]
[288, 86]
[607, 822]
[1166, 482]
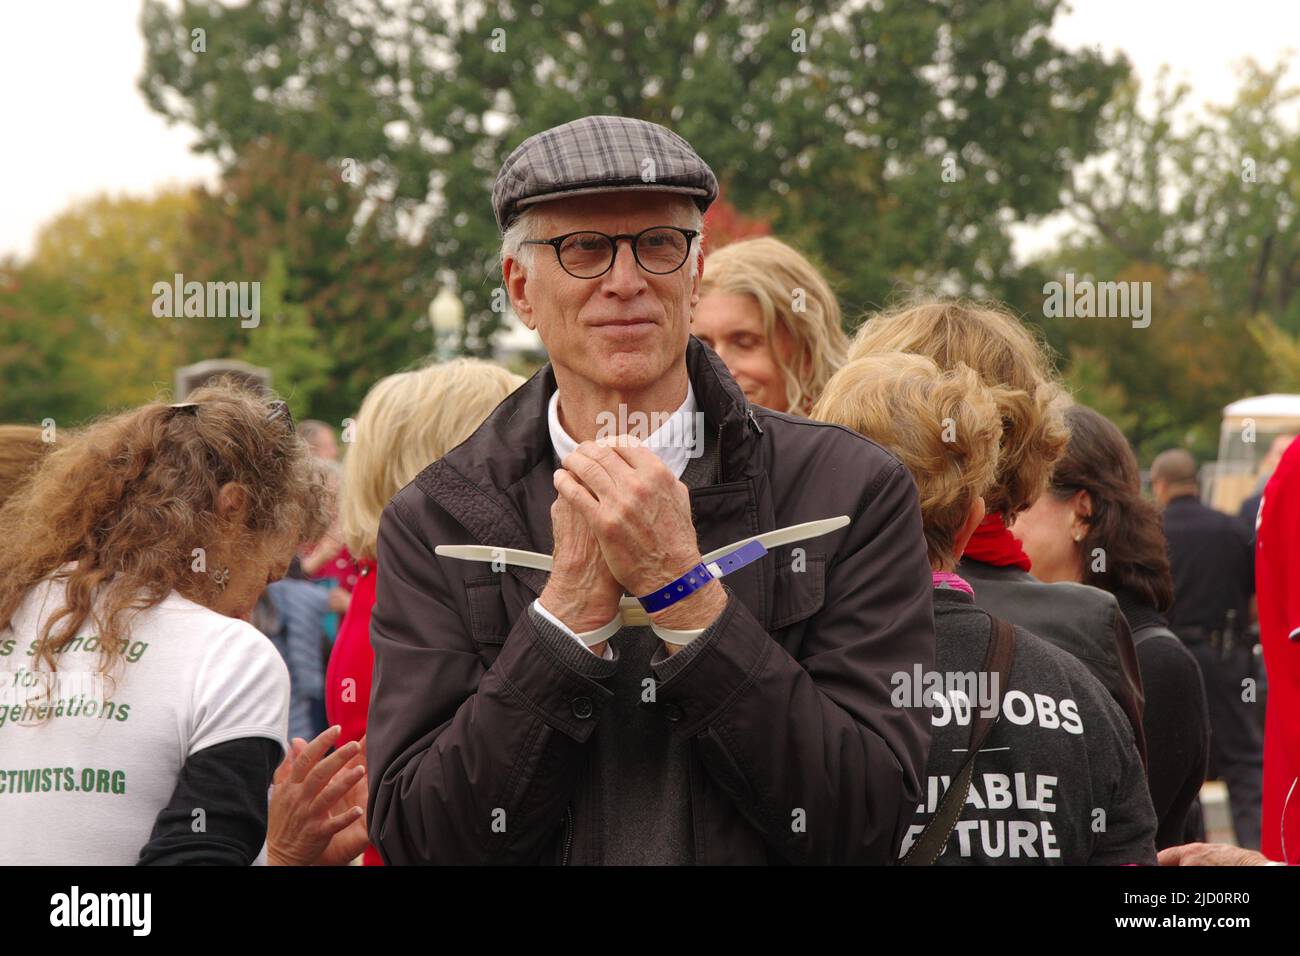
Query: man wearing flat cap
[636, 703]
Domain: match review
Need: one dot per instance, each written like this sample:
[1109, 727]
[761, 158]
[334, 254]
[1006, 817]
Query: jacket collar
[726, 408]
[968, 567]
[502, 472]
[951, 596]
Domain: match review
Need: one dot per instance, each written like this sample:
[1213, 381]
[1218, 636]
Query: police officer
[1212, 561]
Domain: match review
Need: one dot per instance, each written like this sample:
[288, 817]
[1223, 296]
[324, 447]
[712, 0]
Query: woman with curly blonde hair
[773, 320]
[1005, 355]
[1057, 723]
[156, 713]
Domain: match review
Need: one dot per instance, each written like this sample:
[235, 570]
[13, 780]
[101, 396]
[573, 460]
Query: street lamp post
[447, 319]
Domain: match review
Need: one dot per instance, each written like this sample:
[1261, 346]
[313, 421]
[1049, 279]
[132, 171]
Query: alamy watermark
[208, 300]
[25, 687]
[1085, 299]
[654, 429]
[953, 694]
[128, 910]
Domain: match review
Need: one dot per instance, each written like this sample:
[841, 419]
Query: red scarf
[993, 544]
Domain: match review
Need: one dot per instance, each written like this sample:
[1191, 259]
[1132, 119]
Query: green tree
[1218, 195]
[78, 324]
[348, 283]
[893, 141]
[285, 342]
[1203, 207]
[39, 334]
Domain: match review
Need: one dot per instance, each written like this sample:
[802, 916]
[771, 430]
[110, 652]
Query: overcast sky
[76, 125]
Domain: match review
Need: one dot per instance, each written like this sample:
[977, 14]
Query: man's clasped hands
[622, 522]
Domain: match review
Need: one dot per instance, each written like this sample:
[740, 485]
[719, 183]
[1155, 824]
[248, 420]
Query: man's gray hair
[530, 223]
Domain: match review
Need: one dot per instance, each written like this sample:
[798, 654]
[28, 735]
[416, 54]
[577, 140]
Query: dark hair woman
[1093, 526]
[133, 557]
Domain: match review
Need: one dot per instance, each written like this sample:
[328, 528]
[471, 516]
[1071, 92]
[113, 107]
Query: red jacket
[342, 568]
[1277, 571]
[352, 659]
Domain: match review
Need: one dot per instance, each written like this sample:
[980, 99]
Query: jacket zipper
[568, 834]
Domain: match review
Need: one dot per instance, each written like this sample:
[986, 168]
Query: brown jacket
[479, 731]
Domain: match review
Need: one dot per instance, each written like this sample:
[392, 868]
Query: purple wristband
[700, 575]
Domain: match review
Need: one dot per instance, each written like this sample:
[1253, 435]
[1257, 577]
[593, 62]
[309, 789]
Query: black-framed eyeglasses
[659, 250]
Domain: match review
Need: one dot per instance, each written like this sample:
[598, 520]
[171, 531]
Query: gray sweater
[634, 802]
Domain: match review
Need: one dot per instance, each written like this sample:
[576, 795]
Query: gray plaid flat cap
[598, 154]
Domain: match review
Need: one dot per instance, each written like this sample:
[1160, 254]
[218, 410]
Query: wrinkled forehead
[619, 212]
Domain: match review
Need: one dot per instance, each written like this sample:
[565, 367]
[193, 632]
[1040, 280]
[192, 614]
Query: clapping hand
[318, 804]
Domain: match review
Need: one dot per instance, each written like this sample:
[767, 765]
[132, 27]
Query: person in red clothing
[328, 559]
[1277, 569]
[406, 422]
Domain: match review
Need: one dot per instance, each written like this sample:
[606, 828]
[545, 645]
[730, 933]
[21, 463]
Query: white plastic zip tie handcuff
[631, 614]
[676, 638]
[592, 638]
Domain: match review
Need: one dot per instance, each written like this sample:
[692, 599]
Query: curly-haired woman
[1061, 755]
[1003, 352]
[143, 718]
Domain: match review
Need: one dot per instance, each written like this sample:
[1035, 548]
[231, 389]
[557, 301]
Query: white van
[1249, 427]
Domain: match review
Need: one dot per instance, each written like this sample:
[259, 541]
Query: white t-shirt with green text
[86, 763]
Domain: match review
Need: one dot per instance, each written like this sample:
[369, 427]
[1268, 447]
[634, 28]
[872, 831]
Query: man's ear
[695, 282]
[515, 276]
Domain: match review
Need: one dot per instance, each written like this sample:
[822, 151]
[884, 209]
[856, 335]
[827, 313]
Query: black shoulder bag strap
[928, 846]
[1153, 629]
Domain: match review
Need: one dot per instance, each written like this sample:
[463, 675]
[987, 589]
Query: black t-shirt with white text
[1058, 780]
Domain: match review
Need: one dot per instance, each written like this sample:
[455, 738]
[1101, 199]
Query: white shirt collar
[672, 442]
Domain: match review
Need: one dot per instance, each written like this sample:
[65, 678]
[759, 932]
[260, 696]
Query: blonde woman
[773, 320]
[993, 343]
[406, 422]
[134, 555]
[1061, 755]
